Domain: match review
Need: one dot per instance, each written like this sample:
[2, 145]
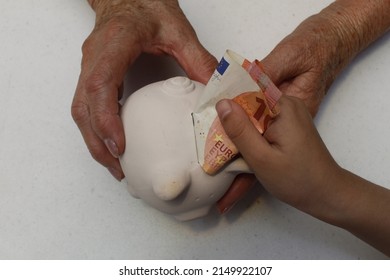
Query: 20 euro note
[245, 83]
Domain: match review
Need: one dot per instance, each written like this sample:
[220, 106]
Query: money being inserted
[245, 83]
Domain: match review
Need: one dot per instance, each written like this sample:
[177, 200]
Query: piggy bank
[160, 160]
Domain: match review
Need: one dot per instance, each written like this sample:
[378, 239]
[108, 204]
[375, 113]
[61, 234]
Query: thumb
[248, 140]
[196, 61]
[281, 64]
[275, 67]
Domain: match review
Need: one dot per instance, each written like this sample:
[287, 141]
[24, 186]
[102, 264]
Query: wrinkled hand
[306, 62]
[290, 159]
[124, 30]
[304, 65]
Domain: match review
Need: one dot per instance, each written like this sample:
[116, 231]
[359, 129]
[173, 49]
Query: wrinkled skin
[124, 30]
[304, 64]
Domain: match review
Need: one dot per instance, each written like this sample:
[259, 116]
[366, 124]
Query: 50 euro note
[245, 83]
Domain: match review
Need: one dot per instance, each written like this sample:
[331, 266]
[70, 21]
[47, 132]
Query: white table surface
[57, 203]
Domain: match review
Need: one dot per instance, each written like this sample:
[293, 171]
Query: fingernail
[225, 209]
[112, 147]
[223, 108]
[117, 174]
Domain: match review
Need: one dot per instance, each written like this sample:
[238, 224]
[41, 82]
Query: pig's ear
[169, 184]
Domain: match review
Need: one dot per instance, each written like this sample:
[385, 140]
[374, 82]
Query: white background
[57, 203]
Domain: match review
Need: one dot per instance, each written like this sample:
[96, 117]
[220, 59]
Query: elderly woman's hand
[124, 29]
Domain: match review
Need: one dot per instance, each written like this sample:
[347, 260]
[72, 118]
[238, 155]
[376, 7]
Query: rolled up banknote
[245, 83]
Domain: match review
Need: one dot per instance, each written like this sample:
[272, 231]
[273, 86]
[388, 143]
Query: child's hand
[290, 160]
[293, 164]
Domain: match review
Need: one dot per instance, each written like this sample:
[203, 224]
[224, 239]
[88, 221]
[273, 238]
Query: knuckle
[86, 47]
[80, 112]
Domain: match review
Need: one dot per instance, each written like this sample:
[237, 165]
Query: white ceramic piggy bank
[160, 161]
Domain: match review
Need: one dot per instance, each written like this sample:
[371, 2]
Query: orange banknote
[245, 83]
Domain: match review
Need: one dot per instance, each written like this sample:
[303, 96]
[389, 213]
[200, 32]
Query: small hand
[290, 159]
[297, 72]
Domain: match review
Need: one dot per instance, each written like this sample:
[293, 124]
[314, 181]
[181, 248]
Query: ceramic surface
[160, 161]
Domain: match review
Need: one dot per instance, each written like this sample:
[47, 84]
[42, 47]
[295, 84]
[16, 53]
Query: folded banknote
[245, 83]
